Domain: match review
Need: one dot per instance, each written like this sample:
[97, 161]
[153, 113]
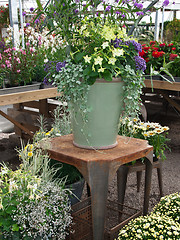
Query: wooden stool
[138, 167]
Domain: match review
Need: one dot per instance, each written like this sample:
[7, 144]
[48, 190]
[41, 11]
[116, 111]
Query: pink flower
[3, 65]
[27, 44]
[10, 58]
[18, 71]
[18, 60]
[0, 56]
[31, 49]
[40, 42]
[14, 48]
[9, 66]
[39, 38]
[7, 62]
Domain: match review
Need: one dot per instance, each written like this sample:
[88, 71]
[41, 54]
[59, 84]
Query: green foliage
[172, 32]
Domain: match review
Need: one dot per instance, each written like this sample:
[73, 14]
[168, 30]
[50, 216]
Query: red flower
[156, 54]
[155, 48]
[171, 44]
[146, 48]
[173, 48]
[142, 54]
[147, 59]
[161, 53]
[162, 45]
[143, 45]
[152, 42]
[172, 56]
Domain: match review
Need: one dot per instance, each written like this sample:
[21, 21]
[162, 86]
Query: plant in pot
[101, 77]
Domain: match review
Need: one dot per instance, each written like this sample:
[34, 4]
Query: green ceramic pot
[105, 99]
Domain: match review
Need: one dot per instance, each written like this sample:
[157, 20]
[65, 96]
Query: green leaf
[87, 71]
[10, 209]
[79, 56]
[107, 76]
[91, 80]
[15, 228]
[39, 4]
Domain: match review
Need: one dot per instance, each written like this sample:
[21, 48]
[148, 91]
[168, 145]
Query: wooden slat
[28, 96]
[174, 86]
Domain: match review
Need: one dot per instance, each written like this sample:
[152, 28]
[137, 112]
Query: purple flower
[77, 1]
[76, 11]
[136, 45]
[97, 14]
[60, 65]
[31, 9]
[165, 3]
[173, 2]
[117, 42]
[117, 12]
[63, 4]
[24, 14]
[140, 13]
[123, 16]
[108, 8]
[140, 63]
[27, 24]
[117, 1]
[36, 21]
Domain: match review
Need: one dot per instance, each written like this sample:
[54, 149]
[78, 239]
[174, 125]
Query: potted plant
[102, 70]
[154, 133]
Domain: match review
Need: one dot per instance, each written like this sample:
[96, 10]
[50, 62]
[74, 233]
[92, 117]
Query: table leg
[148, 176]
[98, 175]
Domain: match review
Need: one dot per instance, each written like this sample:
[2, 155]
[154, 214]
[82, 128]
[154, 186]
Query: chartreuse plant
[169, 206]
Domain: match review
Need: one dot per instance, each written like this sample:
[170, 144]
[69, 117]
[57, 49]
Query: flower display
[153, 132]
[20, 66]
[4, 15]
[150, 227]
[161, 57]
[169, 206]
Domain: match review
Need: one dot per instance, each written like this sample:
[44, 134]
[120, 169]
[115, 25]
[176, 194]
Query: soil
[170, 171]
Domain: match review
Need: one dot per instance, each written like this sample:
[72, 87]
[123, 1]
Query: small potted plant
[153, 132]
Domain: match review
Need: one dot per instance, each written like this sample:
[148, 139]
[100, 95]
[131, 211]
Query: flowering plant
[169, 206]
[162, 57]
[150, 227]
[101, 51]
[4, 15]
[31, 208]
[153, 132]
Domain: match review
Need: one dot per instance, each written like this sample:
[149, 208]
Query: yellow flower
[101, 69]
[87, 59]
[118, 52]
[98, 60]
[31, 147]
[47, 133]
[30, 154]
[86, 33]
[112, 61]
[108, 33]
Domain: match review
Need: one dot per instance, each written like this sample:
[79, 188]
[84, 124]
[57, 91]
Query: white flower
[98, 60]
[118, 52]
[112, 61]
[101, 69]
[87, 59]
[105, 44]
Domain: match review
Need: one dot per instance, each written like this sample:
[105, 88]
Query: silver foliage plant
[48, 217]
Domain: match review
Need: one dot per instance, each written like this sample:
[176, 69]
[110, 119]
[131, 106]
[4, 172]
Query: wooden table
[163, 87]
[99, 166]
[28, 97]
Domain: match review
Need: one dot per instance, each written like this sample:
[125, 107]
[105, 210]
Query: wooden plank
[171, 101]
[28, 96]
[174, 86]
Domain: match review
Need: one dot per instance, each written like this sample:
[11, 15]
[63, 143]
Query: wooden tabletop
[127, 150]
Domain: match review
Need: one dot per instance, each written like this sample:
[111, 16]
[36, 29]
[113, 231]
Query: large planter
[105, 101]
[77, 190]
